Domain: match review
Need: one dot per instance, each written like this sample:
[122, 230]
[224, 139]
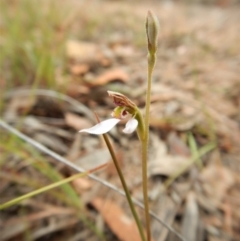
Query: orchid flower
[125, 109]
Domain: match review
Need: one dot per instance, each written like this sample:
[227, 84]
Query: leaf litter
[196, 89]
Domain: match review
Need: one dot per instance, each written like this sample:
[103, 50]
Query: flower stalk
[128, 195]
[152, 28]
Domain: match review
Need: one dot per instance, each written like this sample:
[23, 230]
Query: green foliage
[31, 41]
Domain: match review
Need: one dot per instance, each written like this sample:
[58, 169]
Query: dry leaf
[167, 165]
[81, 51]
[93, 159]
[15, 226]
[82, 184]
[56, 144]
[79, 69]
[216, 180]
[121, 225]
[87, 53]
[111, 75]
[123, 51]
[76, 121]
[176, 145]
[74, 90]
[166, 209]
[33, 124]
[162, 163]
[190, 218]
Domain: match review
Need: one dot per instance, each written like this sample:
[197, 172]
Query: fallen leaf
[216, 180]
[111, 75]
[74, 90]
[166, 209]
[94, 158]
[190, 218]
[79, 69]
[87, 53]
[123, 51]
[176, 145]
[161, 163]
[16, 226]
[212, 220]
[81, 51]
[121, 225]
[76, 121]
[82, 184]
[167, 165]
[33, 124]
[55, 143]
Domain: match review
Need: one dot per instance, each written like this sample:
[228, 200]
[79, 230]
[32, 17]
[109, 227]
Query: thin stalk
[128, 195]
[151, 63]
[152, 29]
[145, 188]
[120, 174]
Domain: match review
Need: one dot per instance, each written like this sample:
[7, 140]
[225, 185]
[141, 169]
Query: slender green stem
[151, 63]
[145, 188]
[128, 195]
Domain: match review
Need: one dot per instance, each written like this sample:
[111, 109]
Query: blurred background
[57, 61]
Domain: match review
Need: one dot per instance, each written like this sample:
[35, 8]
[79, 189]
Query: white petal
[130, 126]
[102, 128]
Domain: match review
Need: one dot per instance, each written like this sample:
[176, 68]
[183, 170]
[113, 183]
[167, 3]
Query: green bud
[152, 29]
